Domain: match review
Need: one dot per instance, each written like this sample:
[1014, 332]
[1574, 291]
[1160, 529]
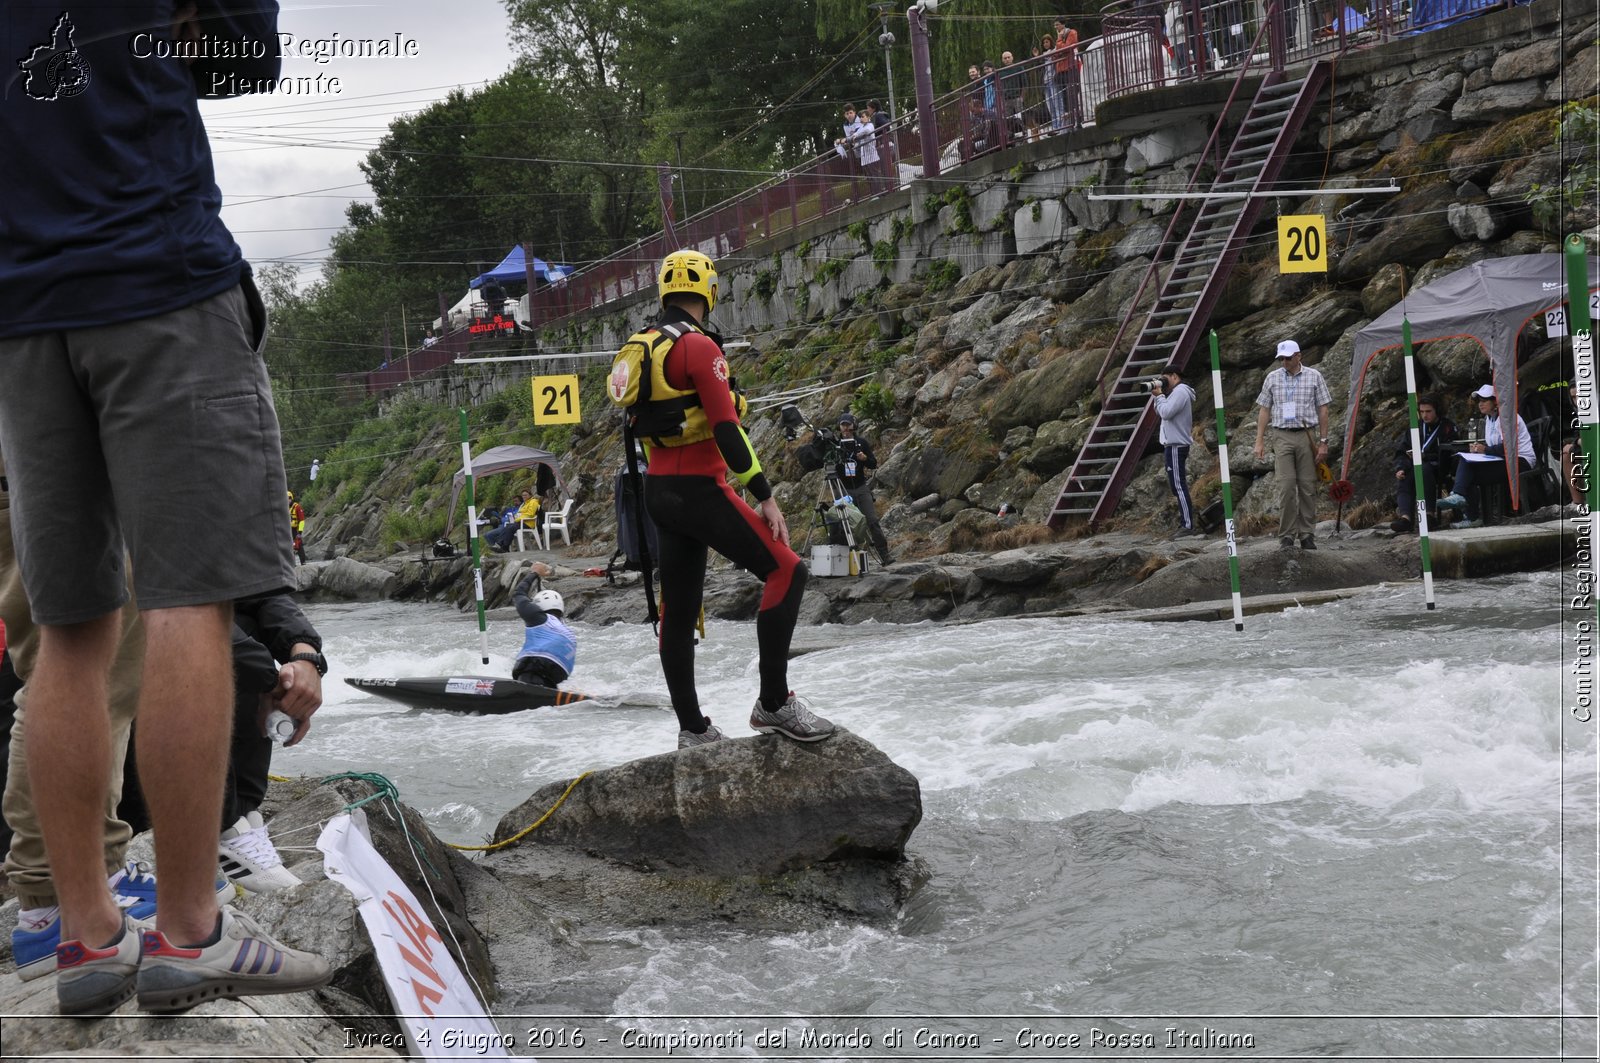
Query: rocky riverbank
[757, 832]
[1105, 573]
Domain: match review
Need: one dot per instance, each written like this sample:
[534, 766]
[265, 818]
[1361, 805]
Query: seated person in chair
[1435, 431]
[526, 516]
[549, 647]
[1472, 474]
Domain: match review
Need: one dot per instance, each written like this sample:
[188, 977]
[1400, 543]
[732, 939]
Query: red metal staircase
[1196, 270]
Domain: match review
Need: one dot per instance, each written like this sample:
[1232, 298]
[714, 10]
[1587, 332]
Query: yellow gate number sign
[1302, 243]
[555, 400]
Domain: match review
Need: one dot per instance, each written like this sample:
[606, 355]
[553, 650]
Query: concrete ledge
[1474, 552]
[1222, 609]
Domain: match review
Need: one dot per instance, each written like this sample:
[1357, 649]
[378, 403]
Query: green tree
[765, 94]
[576, 45]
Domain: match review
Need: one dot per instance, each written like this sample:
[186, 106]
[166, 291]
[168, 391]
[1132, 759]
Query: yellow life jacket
[661, 414]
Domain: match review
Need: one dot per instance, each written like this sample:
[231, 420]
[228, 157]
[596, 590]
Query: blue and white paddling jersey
[553, 641]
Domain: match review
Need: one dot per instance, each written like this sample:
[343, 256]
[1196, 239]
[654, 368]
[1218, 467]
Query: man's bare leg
[69, 764]
[185, 725]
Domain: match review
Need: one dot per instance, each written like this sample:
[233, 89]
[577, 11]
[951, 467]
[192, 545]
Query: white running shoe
[249, 860]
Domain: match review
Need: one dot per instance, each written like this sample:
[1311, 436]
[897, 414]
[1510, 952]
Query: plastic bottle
[280, 726]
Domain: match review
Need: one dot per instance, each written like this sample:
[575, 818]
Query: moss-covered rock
[1035, 396]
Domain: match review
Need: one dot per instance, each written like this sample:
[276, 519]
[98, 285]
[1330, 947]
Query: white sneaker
[249, 859]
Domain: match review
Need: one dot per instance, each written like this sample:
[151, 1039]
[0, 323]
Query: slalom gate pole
[1581, 329]
[1416, 465]
[1227, 483]
[472, 538]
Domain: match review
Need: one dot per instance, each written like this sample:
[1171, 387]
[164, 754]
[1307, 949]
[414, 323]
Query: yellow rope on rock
[526, 830]
[279, 778]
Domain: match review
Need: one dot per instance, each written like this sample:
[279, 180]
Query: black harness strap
[646, 562]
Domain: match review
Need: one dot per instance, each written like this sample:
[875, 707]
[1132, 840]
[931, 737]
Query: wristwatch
[318, 661]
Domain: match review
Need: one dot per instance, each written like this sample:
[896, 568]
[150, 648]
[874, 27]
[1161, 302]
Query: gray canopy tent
[505, 459]
[1489, 301]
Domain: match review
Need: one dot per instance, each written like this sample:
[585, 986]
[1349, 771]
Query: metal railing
[1152, 43]
[1145, 44]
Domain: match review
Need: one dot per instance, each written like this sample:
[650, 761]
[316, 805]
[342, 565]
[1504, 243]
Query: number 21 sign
[555, 400]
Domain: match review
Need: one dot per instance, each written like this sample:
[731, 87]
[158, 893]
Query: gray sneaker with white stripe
[688, 739]
[793, 719]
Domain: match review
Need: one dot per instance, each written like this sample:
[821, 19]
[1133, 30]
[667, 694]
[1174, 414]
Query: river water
[1358, 829]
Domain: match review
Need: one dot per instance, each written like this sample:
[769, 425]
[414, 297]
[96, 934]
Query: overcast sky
[288, 163]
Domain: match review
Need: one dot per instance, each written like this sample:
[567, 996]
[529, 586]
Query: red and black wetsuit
[688, 496]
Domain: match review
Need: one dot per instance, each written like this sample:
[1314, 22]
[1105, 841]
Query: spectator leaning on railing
[1052, 86]
[1012, 81]
[1067, 77]
[880, 126]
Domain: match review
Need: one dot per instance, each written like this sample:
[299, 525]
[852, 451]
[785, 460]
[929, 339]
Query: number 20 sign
[555, 400]
[1302, 243]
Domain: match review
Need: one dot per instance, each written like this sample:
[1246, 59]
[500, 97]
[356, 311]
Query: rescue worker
[549, 647]
[674, 380]
[297, 527]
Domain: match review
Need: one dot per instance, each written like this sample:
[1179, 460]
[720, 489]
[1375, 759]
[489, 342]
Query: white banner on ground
[442, 1016]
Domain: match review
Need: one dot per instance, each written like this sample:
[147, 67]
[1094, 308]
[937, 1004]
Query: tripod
[837, 493]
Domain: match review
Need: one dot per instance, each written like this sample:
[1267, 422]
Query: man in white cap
[1473, 472]
[1294, 400]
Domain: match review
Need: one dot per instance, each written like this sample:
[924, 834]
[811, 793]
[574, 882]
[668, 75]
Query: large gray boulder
[758, 832]
[350, 580]
[760, 806]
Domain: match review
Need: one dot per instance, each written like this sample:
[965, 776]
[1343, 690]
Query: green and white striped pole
[1416, 465]
[472, 538]
[1586, 396]
[1227, 483]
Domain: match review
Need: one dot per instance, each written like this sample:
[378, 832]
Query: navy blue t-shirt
[109, 209]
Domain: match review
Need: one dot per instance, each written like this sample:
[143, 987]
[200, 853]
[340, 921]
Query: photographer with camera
[1174, 401]
[854, 460]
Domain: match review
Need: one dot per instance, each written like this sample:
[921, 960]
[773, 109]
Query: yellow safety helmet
[291, 496]
[692, 272]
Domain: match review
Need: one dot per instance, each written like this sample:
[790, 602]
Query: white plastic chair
[557, 521]
[523, 529]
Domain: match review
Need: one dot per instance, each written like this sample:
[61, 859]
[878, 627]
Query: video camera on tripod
[821, 452]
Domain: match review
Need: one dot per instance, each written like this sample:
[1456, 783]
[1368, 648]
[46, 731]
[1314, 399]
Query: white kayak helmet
[549, 601]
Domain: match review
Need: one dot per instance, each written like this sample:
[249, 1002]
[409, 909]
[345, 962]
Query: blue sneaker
[1453, 501]
[137, 885]
[135, 882]
[34, 950]
[133, 888]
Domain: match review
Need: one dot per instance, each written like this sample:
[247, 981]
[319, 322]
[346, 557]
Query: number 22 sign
[1302, 243]
[555, 400]
[1555, 317]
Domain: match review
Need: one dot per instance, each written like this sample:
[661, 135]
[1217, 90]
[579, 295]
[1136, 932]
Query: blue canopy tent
[1428, 15]
[514, 268]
